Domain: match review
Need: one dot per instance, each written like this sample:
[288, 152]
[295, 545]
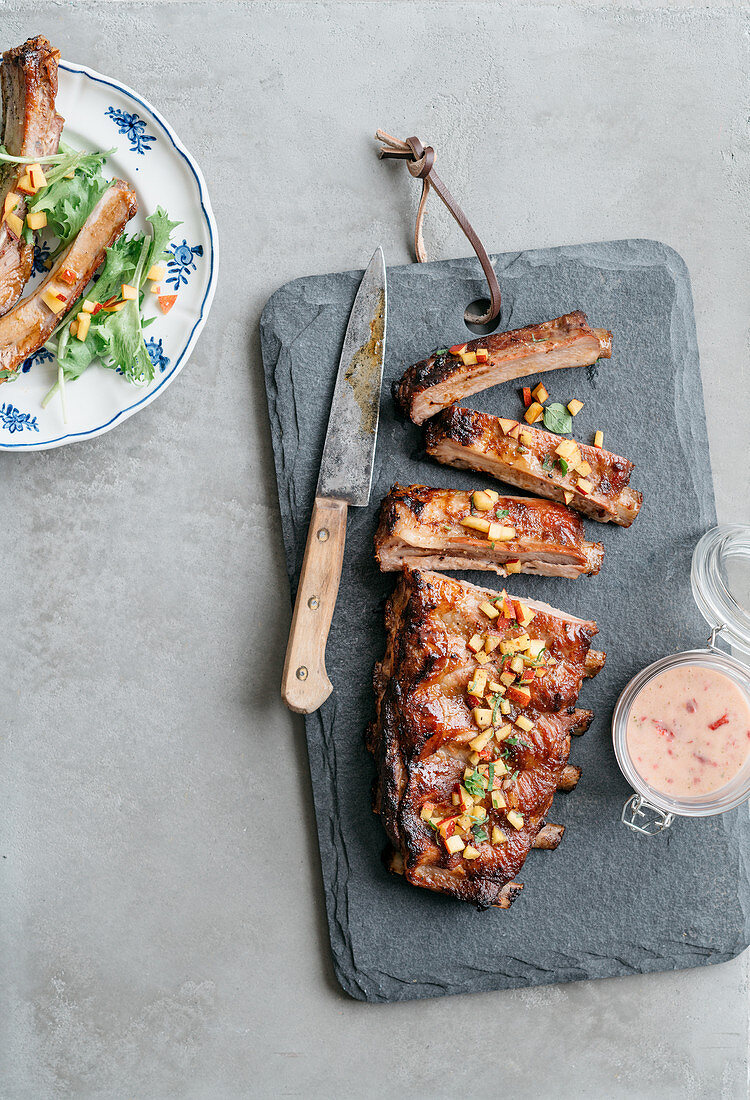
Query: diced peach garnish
[457, 349]
[490, 611]
[540, 393]
[36, 220]
[583, 469]
[454, 844]
[156, 272]
[476, 523]
[469, 359]
[482, 355]
[53, 301]
[14, 223]
[568, 496]
[11, 202]
[481, 500]
[166, 301]
[68, 276]
[25, 186]
[38, 177]
[506, 425]
[513, 566]
[129, 293]
[584, 485]
[499, 533]
[534, 413]
[526, 396]
[84, 323]
[475, 643]
[575, 406]
[598, 438]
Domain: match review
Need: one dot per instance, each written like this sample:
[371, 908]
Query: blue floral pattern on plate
[182, 264]
[42, 254]
[133, 127]
[13, 420]
[155, 349]
[41, 355]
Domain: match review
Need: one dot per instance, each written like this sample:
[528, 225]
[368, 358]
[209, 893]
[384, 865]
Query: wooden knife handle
[305, 684]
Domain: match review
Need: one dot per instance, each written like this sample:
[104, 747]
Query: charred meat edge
[402, 669]
[477, 441]
[31, 128]
[439, 381]
[26, 327]
[421, 526]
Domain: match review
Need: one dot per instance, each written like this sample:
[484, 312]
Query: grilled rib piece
[26, 327]
[436, 382]
[31, 128]
[421, 527]
[423, 737]
[526, 457]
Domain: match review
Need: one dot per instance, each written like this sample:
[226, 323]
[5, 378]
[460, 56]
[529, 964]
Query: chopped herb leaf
[563, 465]
[491, 777]
[517, 741]
[547, 463]
[500, 512]
[441, 351]
[475, 784]
[495, 710]
[479, 832]
[558, 419]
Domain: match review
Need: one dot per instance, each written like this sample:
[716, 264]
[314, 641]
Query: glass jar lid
[720, 577]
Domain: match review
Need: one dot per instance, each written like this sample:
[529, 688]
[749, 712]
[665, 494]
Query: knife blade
[345, 479]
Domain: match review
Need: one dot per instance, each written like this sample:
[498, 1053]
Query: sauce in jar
[688, 731]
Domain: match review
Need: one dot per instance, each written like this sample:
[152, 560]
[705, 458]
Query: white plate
[101, 113]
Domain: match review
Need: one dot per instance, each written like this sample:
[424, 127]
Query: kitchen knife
[345, 478]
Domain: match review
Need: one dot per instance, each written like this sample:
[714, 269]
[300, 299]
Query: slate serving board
[608, 901]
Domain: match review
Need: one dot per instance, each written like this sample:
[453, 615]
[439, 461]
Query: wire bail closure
[420, 162]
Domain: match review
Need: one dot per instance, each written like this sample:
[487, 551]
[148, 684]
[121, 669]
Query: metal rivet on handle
[313, 603]
[323, 534]
[301, 673]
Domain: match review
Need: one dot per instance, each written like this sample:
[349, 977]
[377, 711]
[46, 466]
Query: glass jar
[720, 578]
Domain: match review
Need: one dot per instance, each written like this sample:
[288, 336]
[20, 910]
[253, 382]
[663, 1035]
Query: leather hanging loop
[420, 162]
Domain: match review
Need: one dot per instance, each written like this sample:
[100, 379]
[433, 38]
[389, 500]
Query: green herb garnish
[563, 465]
[558, 419]
[475, 784]
[479, 832]
[516, 741]
[500, 512]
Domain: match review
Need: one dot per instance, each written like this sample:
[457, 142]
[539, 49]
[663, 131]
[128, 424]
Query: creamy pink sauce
[689, 731]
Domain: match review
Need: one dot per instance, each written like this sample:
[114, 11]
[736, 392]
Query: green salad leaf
[68, 201]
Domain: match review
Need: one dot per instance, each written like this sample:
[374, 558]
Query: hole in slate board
[476, 309]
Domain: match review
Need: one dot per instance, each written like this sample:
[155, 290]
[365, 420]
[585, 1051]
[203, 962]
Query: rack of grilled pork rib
[476, 694]
[31, 128]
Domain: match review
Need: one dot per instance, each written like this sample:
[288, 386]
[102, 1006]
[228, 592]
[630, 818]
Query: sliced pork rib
[475, 707]
[26, 327]
[595, 481]
[436, 382]
[31, 128]
[430, 528]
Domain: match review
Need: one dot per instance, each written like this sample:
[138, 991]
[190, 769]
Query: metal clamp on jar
[720, 781]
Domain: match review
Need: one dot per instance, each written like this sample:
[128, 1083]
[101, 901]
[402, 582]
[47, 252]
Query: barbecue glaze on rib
[477, 441]
[438, 381]
[26, 327]
[425, 721]
[421, 527]
[31, 128]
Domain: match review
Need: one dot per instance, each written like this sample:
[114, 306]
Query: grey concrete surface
[162, 922]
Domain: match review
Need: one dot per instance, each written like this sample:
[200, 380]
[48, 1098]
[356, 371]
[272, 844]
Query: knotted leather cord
[420, 162]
